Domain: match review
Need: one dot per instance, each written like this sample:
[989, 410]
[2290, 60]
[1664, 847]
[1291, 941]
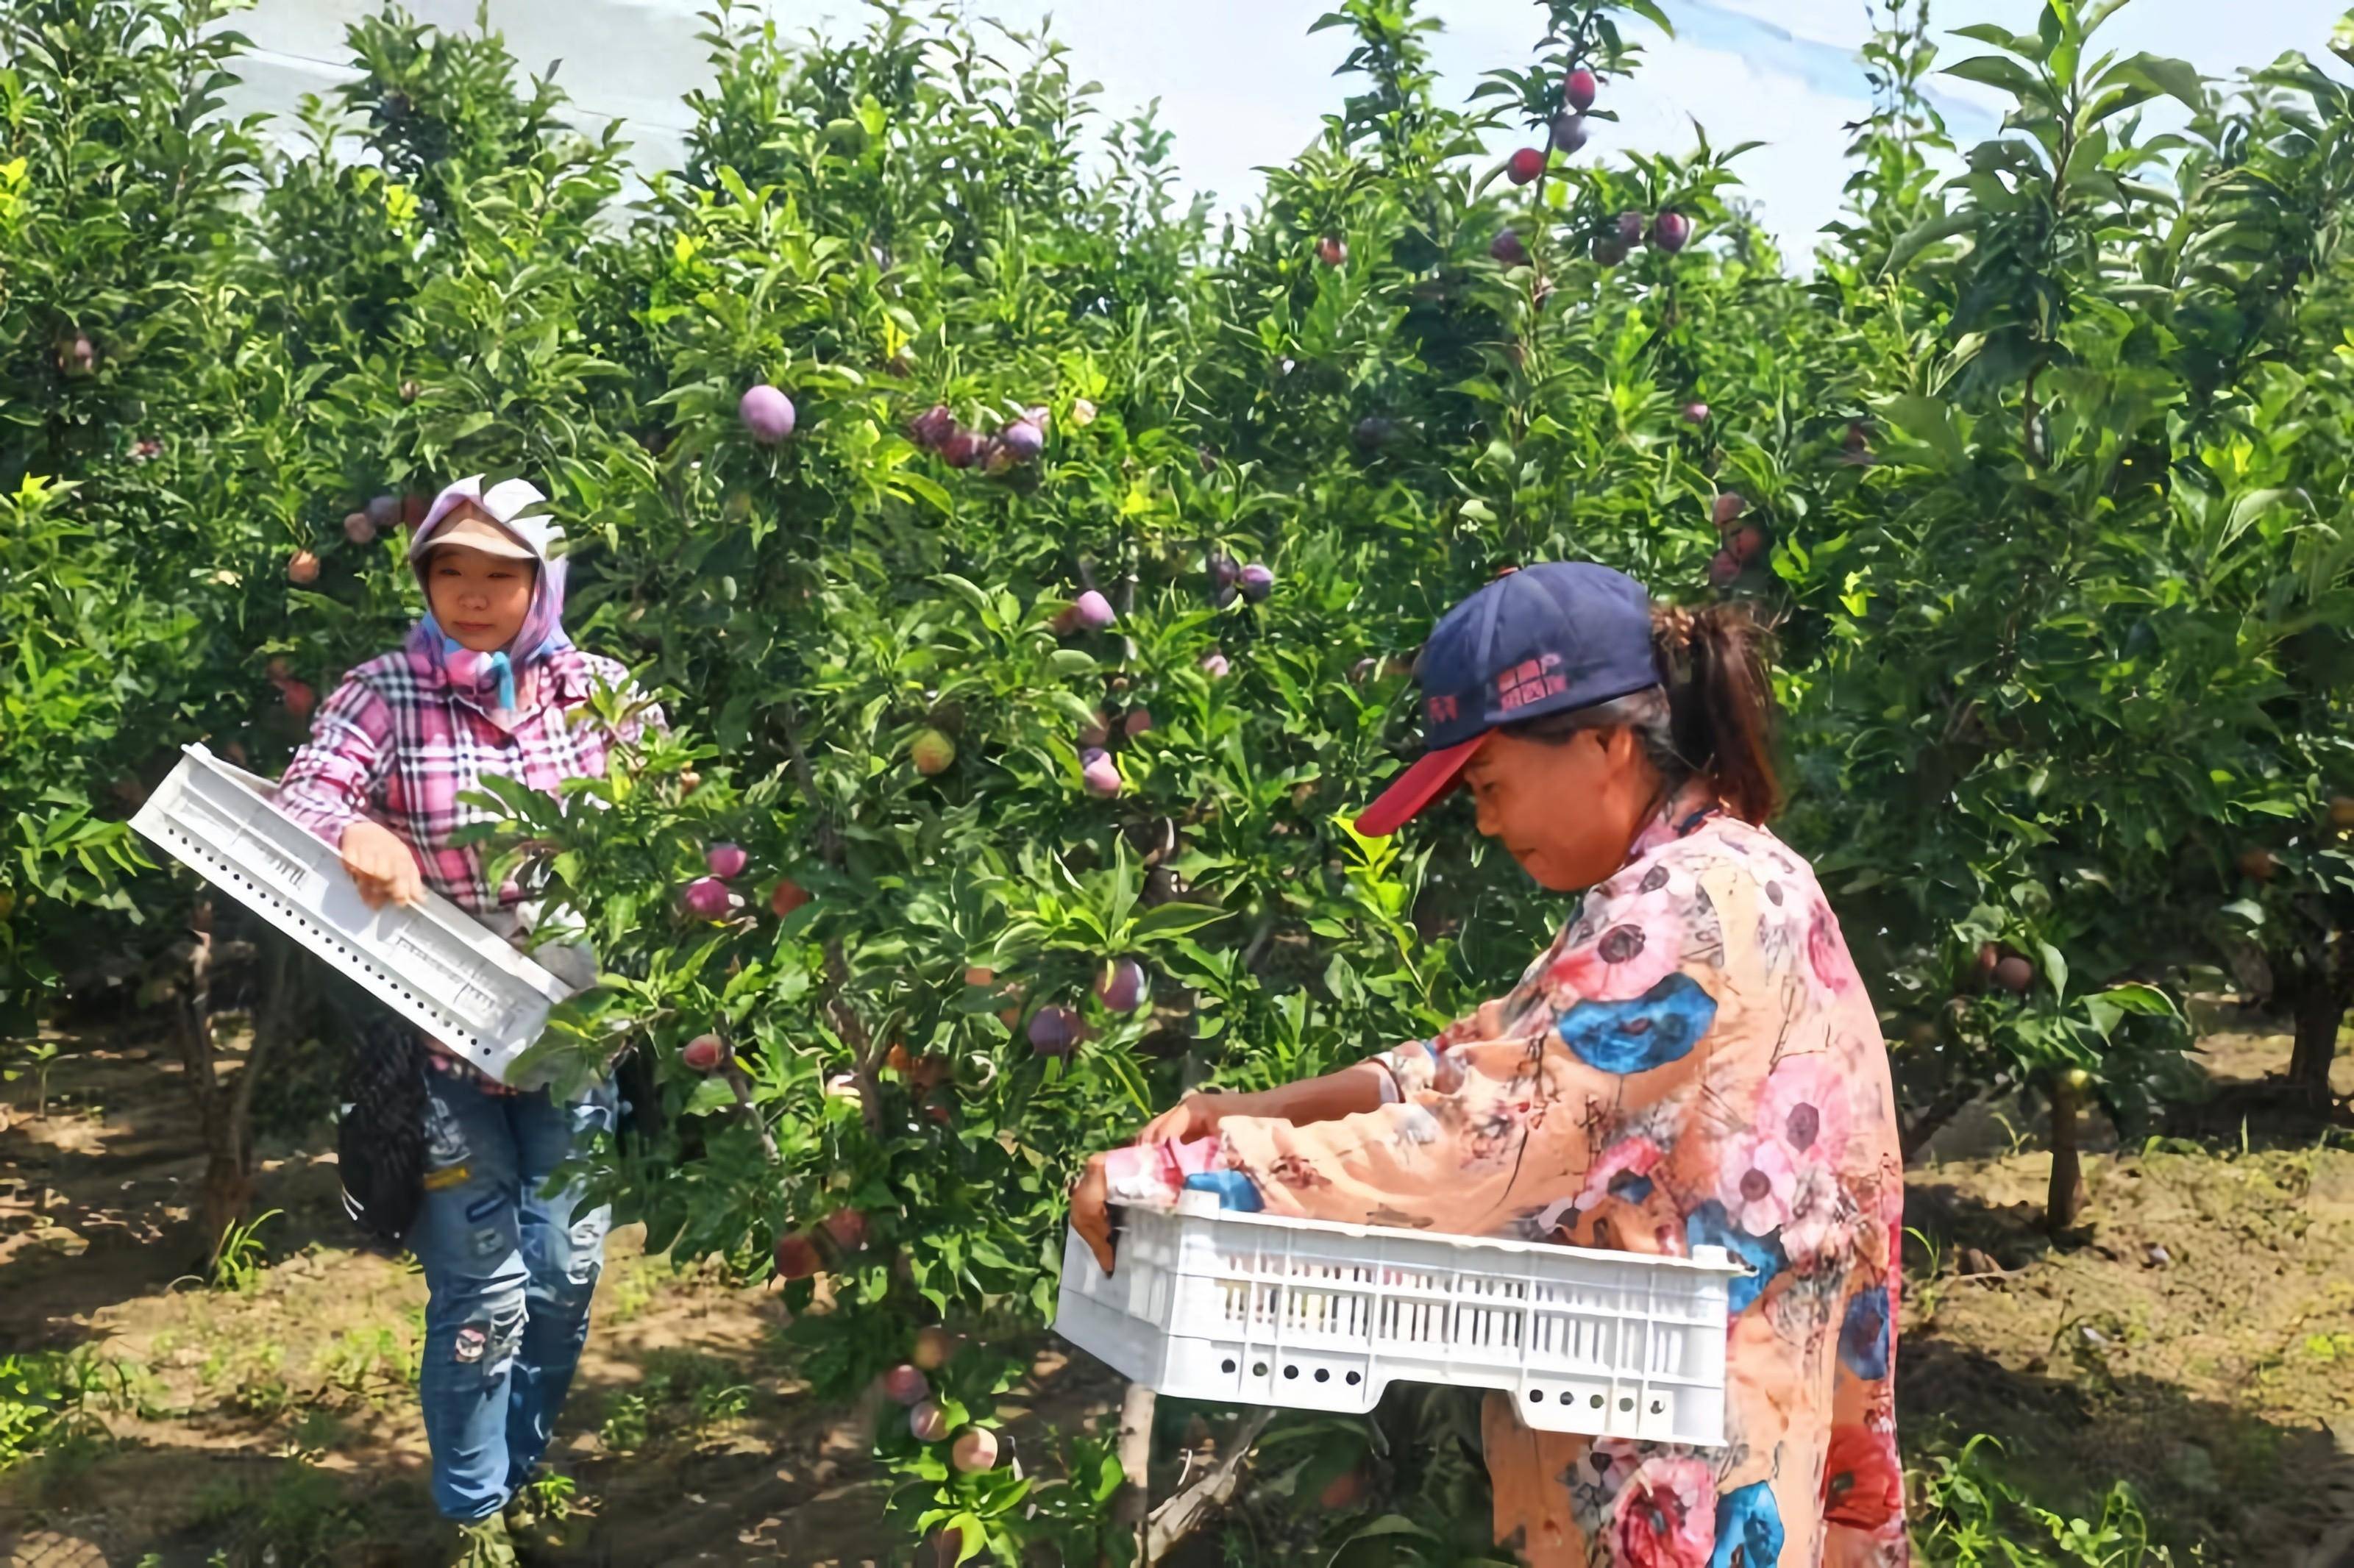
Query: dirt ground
[2196, 1341]
[283, 1413]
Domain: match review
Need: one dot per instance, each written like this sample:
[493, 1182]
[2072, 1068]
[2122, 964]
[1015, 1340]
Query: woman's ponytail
[1720, 708]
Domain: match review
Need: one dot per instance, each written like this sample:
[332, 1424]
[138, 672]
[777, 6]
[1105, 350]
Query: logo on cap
[1531, 681]
[1441, 710]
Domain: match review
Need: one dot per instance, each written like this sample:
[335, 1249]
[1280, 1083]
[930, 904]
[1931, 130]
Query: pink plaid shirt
[397, 743]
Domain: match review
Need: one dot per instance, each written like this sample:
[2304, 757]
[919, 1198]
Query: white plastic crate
[1246, 1308]
[433, 964]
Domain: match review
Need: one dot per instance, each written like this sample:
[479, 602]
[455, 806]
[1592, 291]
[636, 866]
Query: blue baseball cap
[1540, 639]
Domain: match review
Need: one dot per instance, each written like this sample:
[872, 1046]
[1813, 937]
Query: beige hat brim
[479, 533]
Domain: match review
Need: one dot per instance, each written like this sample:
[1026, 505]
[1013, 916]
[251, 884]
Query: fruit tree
[1034, 576]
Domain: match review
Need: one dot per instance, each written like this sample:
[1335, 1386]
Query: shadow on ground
[2193, 1340]
[782, 1483]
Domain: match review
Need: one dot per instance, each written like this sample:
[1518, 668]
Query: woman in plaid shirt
[486, 685]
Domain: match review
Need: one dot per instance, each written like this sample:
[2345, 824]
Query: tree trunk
[1135, 1502]
[225, 1111]
[227, 1188]
[2320, 1008]
[2065, 1200]
[1956, 1099]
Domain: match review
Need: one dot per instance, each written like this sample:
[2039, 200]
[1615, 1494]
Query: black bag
[642, 1123]
[380, 1128]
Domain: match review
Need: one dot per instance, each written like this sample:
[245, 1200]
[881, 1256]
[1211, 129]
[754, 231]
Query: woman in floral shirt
[1694, 1062]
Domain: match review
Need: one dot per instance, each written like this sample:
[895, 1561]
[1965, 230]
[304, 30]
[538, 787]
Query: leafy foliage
[2042, 472]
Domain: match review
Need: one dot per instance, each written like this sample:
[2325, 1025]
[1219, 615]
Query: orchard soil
[2194, 1340]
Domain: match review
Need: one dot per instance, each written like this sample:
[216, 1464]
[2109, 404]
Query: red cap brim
[1417, 787]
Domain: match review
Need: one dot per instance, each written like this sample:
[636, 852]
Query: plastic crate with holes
[433, 963]
[1249, 1308]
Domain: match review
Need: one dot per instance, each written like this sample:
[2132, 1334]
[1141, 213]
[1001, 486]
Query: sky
[1242, 83]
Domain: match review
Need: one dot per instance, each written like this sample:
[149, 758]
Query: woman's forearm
[1350, 1091]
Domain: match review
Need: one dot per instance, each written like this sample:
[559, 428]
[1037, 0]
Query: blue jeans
[509, 1271]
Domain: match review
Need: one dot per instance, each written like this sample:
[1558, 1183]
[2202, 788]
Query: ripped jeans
[509, 1271]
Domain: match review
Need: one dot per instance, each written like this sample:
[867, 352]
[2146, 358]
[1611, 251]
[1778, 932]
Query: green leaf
[1928, 232]
[2055, 969]
[2011, 77]
[1389, 1525]
[2112, 102]
[1175, 920]
[2136, 997]
[710, 1095]
[1925, 419]
[2099, 11]
[965, 588]
[924, 488]
[2175, 79]
[2251, 506]
[2000, 36]
[2105, 1009]
[1652, 14]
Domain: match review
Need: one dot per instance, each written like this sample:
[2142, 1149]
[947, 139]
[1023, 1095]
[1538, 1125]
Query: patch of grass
[710, 1390]
[1971, 1518]
[249, 1377]
[131, 1388]
[627, 1426]
[630, 1287]
[683, 1393]
[2329, 1349]
[318, 1431]
[366, 1363]
[717, 1406]
[1925, 1287]
[239, 1260]
[50, 1400]
[40, 1056]
[686, 1371]
[268, 1398]
[298, 1518]
[553, 1496]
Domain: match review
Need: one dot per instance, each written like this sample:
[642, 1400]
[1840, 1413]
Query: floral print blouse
[1694, 1062]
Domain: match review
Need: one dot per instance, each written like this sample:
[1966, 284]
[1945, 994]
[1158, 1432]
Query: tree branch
[272, 1022]
[1259, 940]
[741, 1089]
[1182, 1514]
[865, 1051]
[803, 775]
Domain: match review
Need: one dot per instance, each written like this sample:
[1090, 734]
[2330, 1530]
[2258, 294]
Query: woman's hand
[1091, 1211]
[381, 865]
[1195, 1116]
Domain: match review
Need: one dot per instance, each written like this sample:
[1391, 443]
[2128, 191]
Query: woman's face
[480, 598]
[1566, 809]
